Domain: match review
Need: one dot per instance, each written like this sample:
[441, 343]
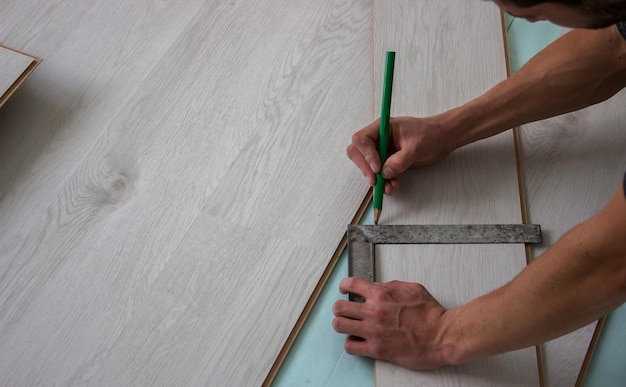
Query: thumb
[396, 164]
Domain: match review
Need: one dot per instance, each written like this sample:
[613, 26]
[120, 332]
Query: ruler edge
[356, 235]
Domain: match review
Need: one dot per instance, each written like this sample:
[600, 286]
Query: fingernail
[373, 167]
[388, 172]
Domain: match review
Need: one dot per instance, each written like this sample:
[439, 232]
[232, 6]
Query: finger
[397, 163]
[348, 326]
[357, 346]
[365, 140]
[348, 309]
[357, 158]
[355, 285]
[391, 186]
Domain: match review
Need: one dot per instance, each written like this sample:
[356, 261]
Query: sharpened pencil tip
[376, 216]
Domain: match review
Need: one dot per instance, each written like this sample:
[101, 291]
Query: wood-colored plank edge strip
[517, 144]
[282, 355]
[590, 352]
[18, 82]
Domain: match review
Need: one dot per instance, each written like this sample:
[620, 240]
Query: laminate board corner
[15, 67]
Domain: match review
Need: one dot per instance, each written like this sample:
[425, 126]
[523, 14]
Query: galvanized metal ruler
[362, 240]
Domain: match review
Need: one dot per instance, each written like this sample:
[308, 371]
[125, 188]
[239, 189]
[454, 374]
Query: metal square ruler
[362, 240]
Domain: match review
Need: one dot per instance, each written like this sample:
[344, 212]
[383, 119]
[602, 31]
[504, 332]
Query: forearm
[581, 68]
[579, 279]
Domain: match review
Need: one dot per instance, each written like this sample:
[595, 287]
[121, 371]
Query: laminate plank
[456, 274]
[97, 54]
[189, 233]
[435, 42]
[254, 295]
[13, 64]
[572, 165]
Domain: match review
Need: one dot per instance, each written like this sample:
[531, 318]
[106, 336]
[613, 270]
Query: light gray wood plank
[52, 201]
[292, 153]
[12, 66]
[435, 43]
[180, 243]
[572, 165]
[456, 274]
[97, 55]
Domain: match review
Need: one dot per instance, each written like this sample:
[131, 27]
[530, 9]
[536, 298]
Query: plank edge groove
[293, 335]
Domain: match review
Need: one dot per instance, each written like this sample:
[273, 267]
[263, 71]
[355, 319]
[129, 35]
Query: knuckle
[357, 138]
[417, 287]
[344, 285]
[379, 294]
[379, 351]
[350, 282]
[338, 308]
[377, 313]
[350, 151]
[336, 324]
[353, 152]
[380, 315]
[349, 348]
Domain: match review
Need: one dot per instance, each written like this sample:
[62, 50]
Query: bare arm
[581, 68]
[579, 279]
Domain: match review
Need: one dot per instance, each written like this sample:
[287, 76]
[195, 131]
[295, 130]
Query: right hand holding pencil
[413, 142]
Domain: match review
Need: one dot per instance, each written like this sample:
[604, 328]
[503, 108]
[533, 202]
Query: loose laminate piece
[572, 165]
[15, 67]
[186, 188]
[446, 55]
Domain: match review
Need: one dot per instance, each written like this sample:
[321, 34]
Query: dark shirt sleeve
[621, 26]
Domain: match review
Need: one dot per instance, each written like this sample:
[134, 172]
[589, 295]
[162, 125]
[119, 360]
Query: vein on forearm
[580, 69]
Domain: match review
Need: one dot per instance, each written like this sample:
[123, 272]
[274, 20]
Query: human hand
[413, 142]
[399, 322]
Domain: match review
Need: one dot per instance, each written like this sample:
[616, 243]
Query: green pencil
[383, 131]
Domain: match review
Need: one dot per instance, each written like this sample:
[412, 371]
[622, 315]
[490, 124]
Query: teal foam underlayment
[317, 357]
[607, 365]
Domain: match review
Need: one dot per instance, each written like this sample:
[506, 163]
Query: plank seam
[521, 188]
[584, 368]
[282, 355]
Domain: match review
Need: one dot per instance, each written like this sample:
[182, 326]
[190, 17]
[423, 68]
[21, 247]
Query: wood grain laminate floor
[174, 183]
